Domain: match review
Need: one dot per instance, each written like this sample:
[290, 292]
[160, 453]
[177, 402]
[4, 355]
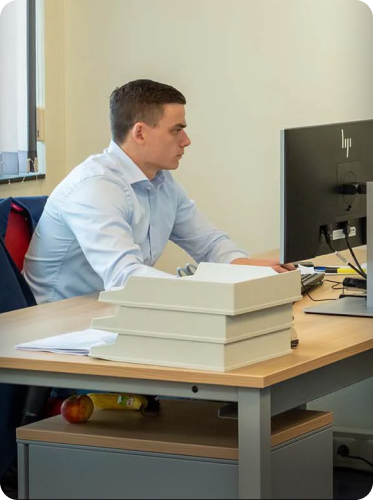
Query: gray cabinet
[58, 460]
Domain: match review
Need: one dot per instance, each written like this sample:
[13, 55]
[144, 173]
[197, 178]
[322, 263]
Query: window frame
[32, 155]
[31, 82]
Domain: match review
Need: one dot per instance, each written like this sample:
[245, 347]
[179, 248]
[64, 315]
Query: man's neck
[149, 171]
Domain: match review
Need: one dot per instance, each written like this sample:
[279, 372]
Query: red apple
[77, 408]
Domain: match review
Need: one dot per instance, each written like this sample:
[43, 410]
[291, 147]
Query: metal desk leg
[254, 443]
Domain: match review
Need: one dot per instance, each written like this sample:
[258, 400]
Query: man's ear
[138, 132]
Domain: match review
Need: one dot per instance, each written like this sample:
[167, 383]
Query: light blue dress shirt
[106, 221]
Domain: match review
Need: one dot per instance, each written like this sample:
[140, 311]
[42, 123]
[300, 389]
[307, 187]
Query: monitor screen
[324, 170]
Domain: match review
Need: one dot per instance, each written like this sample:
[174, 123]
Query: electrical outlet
[358, 447]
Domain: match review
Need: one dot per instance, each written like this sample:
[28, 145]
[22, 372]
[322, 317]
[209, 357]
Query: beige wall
[247, 67]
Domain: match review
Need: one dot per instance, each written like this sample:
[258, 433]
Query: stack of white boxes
[223, 317]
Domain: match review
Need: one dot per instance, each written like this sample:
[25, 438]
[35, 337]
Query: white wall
[247, 67]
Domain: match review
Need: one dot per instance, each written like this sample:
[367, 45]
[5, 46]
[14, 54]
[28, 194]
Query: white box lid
[214, 288]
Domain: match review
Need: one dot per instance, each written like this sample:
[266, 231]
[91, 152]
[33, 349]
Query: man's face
[165, 143]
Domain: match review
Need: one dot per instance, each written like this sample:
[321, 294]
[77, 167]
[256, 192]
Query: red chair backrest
[18, 235]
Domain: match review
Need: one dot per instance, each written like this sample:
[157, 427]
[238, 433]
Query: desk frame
[260, 404]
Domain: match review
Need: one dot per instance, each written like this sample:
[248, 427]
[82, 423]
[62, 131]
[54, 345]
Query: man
[112, 216]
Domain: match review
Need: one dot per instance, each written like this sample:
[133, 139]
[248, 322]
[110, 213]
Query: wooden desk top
[322, 340]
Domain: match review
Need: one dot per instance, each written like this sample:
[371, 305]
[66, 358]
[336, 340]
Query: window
[18, 92]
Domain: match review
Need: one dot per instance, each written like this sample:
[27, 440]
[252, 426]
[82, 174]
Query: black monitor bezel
[322, 145]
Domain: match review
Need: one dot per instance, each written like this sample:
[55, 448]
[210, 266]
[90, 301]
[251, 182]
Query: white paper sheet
[78, 343]
[228, 273]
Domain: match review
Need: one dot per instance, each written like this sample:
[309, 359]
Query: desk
[334, 352]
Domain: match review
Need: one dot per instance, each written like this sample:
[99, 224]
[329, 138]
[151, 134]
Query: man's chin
[172, 166]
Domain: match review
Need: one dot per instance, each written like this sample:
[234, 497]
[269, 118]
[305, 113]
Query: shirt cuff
[227, 258]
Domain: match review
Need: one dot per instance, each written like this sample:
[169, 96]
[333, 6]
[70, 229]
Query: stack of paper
[78, 343]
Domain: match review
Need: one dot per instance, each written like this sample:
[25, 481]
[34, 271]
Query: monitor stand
[348, 306]
[359, 305]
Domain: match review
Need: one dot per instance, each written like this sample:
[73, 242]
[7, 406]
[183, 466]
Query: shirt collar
[132, 171]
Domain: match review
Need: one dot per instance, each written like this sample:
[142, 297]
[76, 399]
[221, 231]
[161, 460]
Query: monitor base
[347, 306]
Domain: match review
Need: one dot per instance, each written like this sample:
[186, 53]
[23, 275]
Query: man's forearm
[275, 264]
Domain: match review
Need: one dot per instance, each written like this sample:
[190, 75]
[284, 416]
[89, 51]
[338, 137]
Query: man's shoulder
[92, 175]
[97, 164]
[100, 166]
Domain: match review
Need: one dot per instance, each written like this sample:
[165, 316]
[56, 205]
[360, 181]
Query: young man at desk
[112, 216]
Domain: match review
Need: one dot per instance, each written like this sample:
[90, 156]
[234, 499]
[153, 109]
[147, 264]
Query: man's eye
[176, 130]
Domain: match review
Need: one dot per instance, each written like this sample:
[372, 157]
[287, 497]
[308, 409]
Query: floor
[349, 484]
[9, 487]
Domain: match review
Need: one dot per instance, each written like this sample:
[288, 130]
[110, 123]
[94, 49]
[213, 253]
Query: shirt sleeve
[99, 211]
[195, 234]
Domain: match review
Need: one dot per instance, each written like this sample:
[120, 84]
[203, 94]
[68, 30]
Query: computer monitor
[324, 174]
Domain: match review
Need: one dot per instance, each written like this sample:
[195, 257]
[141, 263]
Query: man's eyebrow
[179, 125]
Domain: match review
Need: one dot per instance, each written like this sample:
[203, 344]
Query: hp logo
[346, 143]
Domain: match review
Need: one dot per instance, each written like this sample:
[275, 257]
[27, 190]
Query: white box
[214, 288]
[199, 355]
[196, 326]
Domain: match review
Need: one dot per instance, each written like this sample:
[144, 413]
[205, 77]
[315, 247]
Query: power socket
[357, 447]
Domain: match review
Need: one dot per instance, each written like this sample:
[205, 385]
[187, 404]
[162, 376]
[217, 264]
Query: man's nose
[185, 140]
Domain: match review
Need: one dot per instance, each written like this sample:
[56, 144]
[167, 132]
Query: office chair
[18, 234]
[16, 227]
[20, 404]
[17, 239]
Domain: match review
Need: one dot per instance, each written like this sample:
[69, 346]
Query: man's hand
[280, 268]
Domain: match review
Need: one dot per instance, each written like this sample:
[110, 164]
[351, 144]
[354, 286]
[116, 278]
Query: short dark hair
[139, 100]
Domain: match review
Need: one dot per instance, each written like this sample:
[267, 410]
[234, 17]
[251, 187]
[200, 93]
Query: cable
[346, 232]
[334, 287]
[354, 256]
[344, 451]
[304, 289]
[360, 458]
[363, 273]
[329, 243]
[337, 285]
